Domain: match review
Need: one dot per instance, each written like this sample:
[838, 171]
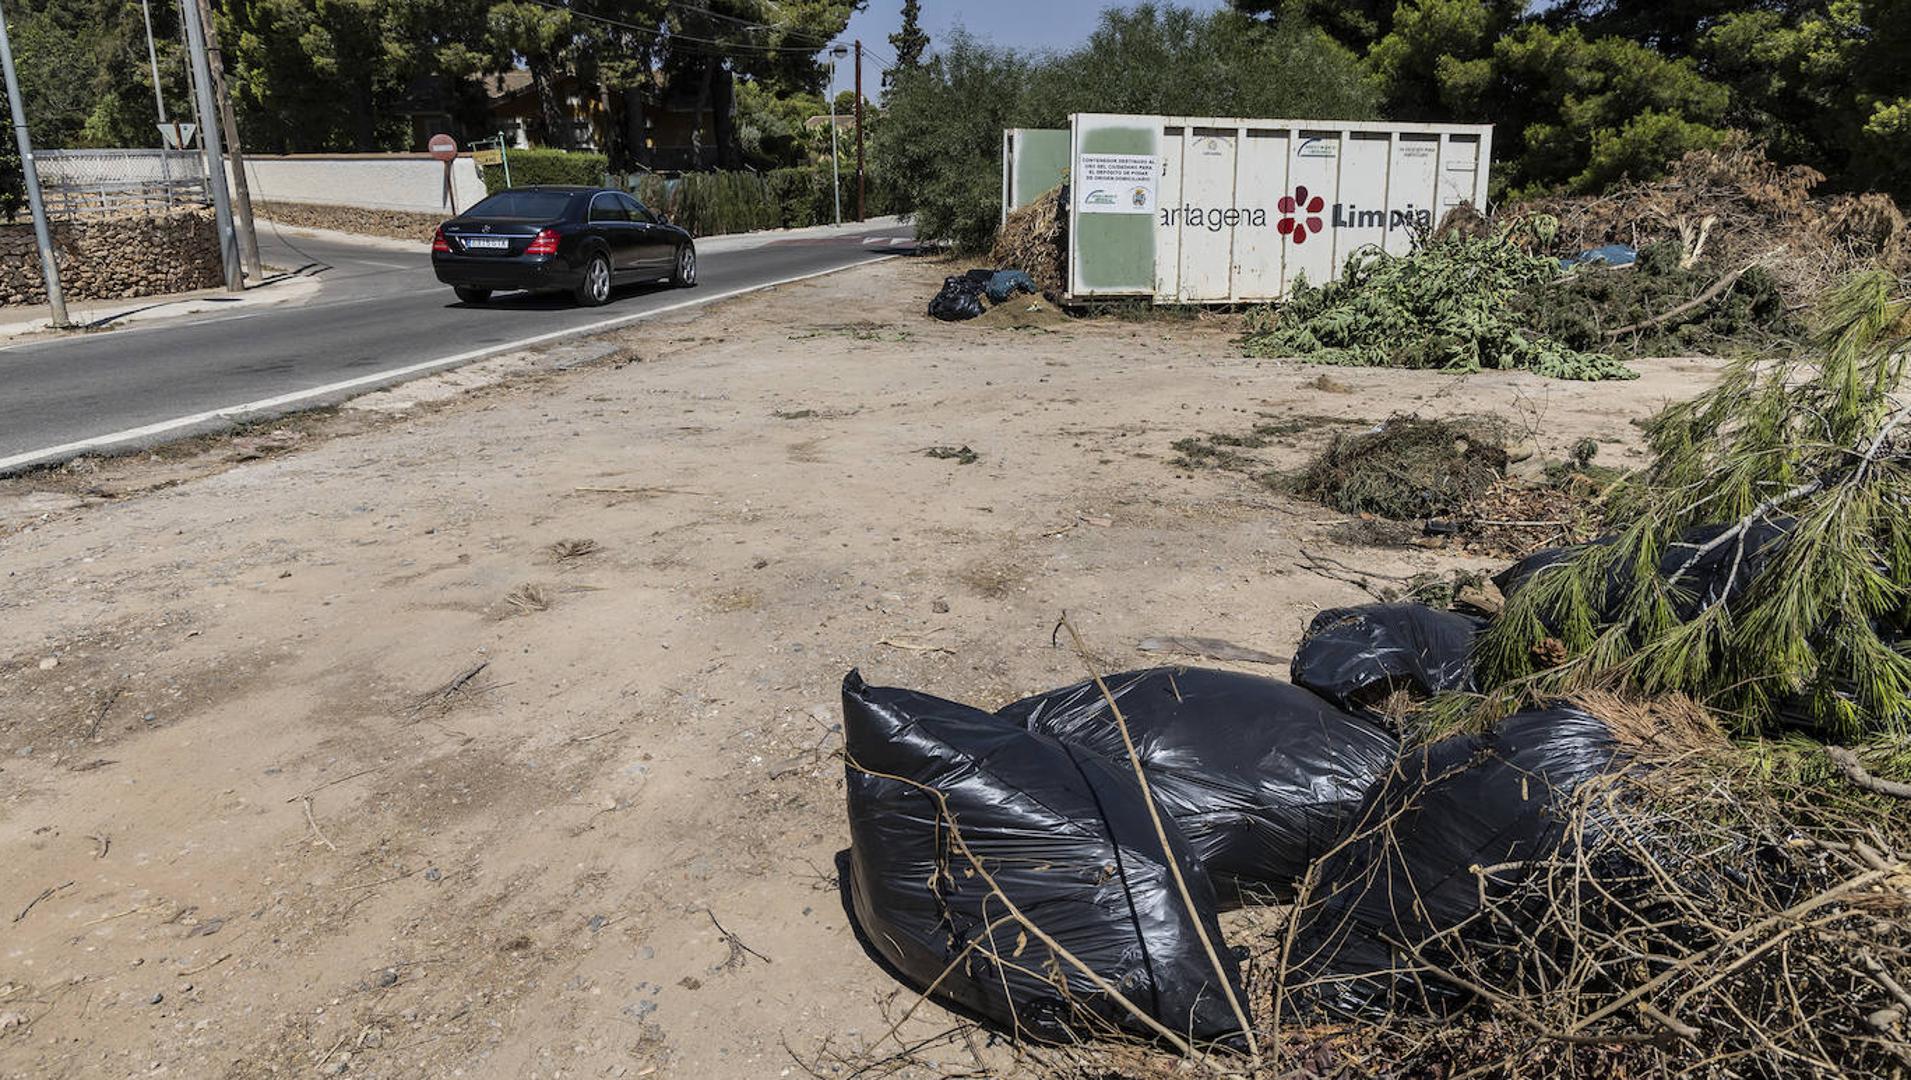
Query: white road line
[185, 320]
[239, 411]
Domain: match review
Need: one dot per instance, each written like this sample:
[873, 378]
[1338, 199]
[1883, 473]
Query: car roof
[574, 189]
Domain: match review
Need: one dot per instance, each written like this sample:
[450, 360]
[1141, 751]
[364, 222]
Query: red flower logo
[1296, 227]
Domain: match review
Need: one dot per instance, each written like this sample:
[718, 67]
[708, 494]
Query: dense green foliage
[1449, 305]
[1584, 92]
[1815, 626]
[941, 142]
[330, 75]
[12, 192]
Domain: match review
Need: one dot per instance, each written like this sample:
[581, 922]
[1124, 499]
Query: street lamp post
[30, 175]
[152, 57]
[835, 171]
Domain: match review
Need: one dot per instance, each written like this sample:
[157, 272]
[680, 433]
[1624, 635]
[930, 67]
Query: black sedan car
[580, 240]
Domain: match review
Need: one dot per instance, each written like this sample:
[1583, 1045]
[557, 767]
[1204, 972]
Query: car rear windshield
[530, 205]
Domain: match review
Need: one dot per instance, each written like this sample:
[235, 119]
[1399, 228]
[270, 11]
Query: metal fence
[101, 183]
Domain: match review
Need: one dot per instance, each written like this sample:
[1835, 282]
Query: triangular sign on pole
[177, 136]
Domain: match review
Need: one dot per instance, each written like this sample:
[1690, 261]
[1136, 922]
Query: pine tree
[1812, 625]
[910, 43]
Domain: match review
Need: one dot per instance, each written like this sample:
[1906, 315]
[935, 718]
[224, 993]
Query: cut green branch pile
[1813, 627]
[1450, 305]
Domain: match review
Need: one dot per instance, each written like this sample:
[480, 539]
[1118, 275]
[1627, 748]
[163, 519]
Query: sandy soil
[251, 828]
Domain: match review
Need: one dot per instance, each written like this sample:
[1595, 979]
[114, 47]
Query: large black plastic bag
[1406, 876]
[1006, 283]
[1705, 578]
[1355, 657]
[1066, 835]
[1261, 776]
[960, 298]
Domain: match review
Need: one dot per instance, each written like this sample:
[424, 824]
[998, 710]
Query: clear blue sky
[1021, 24]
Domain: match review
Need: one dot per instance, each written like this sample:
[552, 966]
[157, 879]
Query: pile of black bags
[961, 295]
[968, 826]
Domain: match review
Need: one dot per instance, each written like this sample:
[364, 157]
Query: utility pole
[859, 129]
[30, 173]
[241, 187]
[209, 139]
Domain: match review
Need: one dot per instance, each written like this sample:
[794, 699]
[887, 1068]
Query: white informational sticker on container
[1117, 183]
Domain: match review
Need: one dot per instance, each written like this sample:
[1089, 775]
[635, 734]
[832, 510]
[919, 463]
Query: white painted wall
[414, 182]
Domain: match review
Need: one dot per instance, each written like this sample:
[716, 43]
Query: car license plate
[486, 242]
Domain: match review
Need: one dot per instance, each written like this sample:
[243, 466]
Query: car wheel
[594, 290]
[472, 296]
[685, 274]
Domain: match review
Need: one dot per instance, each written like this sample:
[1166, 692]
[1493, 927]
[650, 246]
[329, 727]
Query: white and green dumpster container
[1206, 210]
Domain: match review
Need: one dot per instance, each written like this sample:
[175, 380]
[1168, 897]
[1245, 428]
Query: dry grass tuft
[572, 548]
[529, 597]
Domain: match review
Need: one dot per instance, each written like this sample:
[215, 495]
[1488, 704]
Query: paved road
[378, 318]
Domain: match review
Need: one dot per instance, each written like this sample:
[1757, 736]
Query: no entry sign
[443, 147]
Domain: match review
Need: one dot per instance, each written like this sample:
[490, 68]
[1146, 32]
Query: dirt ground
[262, 813]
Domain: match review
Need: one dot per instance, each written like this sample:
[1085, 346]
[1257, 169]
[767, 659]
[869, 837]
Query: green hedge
[706, 203]
[711, 203]
[547, 167]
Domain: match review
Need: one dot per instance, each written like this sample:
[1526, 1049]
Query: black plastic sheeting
[1262, 777]
[1067, 836]
[1704, 579]
[1406, 874]
[960, 298]
[1355, 657]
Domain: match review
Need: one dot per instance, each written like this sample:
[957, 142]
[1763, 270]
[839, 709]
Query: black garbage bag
[1705, 578]
[1261, 776]
[1406, 880]
[1355, 657]
[1067, 837]
[1006, 283]
[960, 298]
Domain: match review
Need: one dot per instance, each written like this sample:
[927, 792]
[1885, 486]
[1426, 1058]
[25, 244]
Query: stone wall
[114, 258]
[399, 224]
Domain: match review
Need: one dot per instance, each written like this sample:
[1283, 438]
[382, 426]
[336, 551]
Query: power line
[676, 36]
[787, 31]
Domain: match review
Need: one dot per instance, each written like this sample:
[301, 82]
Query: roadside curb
[92, 316]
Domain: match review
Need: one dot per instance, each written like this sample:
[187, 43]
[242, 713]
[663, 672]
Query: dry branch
[1847, 761]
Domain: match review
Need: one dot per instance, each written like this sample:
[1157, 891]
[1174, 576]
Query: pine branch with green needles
[1813, 625]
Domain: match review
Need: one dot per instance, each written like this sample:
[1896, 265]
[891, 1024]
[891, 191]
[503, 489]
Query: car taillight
[544, 243]
[439, 244]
